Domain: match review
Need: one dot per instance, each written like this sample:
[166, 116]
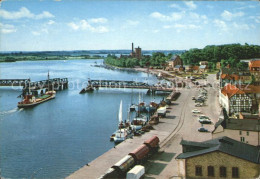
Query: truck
[136, 172]
[161, 111]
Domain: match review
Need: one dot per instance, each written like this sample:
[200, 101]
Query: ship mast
[48, 81]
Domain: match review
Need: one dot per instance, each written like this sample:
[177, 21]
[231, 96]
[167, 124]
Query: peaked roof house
[234, 76]
[240, 98]
[243, 130]
[254, 68]
[220, 157]
[174, 61]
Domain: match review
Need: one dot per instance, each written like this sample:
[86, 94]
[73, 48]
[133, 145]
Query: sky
[49, 25]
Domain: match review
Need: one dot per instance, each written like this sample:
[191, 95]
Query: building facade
[136, 52]
[174, 61]
[254, 68]
[218, 158]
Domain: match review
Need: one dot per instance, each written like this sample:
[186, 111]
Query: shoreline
[163, 130]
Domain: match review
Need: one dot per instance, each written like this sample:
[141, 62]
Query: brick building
[218, 158]
[136, 53]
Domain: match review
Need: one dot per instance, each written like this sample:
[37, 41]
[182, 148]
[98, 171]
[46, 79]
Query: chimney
[132, 47]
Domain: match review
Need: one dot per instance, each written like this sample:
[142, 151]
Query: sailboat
[133, 106]
[121, 134]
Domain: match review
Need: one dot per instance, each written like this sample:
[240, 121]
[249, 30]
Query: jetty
[28, 85]
[96, 84]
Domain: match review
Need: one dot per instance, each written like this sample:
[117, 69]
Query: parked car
[193, 98]
[205, 121]
[195, 111]
[199, 100]
[198, 105]
[203, 117]
[202, 129]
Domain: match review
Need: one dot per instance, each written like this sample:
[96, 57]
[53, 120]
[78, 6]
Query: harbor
[59, 121]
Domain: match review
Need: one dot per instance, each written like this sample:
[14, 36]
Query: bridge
[53, 84]
[92, 84]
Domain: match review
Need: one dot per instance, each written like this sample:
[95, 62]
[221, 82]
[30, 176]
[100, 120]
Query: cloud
[7, 28]
[36, 33]
[98, 20]
[85, 25]
[173, 17]
[24, 13]
[190, 5]
[176, 6]
[50, 22]
[180, 27]
[228, 16]
[240, 26]
[220, 24]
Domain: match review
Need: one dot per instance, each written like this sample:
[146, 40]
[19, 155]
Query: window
[198, 170]
[247, 133]
[235, 173]
[210, 171]
[234, 102]
[240, 132]
[242, 139]
[246, 102]
[242, 102]
[222, 171]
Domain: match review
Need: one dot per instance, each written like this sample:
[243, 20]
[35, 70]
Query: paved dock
[179, 123]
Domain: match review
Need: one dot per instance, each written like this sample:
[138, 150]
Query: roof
[254, 63]
[195, 67]
[174, 57]
[230, 90]
[241, 124]
[178, 66]
[230, 76]
[203, 66]
[222, 144]
[236, 71]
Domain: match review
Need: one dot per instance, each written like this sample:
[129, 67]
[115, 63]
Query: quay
[178, 124]
[95, 84]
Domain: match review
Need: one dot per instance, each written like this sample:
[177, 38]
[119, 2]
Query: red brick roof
[254, 63]
[230, 90]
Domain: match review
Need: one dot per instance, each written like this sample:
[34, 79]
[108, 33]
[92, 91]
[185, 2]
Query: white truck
[136, 172]
[161, 111]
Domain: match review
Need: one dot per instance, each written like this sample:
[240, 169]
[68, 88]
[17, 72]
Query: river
[56, 138]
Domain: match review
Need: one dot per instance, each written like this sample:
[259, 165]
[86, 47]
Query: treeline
[158, 59]
[230, 53]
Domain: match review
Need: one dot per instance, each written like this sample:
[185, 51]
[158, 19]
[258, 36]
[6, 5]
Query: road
[163, 164]
[179, 123]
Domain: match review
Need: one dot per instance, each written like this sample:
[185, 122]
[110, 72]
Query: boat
[152, 107]
[122, 133]
[138, 122]
[31, 100]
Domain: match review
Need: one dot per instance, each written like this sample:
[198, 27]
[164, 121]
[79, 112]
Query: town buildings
[136, 53]
[254, 68]
[175, 63]
[245, 130]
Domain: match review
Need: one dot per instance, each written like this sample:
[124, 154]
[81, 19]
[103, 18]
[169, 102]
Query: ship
[31, 100]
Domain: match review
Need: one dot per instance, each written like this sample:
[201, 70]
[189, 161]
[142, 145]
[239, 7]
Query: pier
[53, 84]
[95, 84]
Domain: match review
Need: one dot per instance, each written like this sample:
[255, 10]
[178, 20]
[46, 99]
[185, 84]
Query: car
[198, 105]
[199, 100]
[195, 111]
[203, 117]
[205, 121]
[202, 129]
[193, 98]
